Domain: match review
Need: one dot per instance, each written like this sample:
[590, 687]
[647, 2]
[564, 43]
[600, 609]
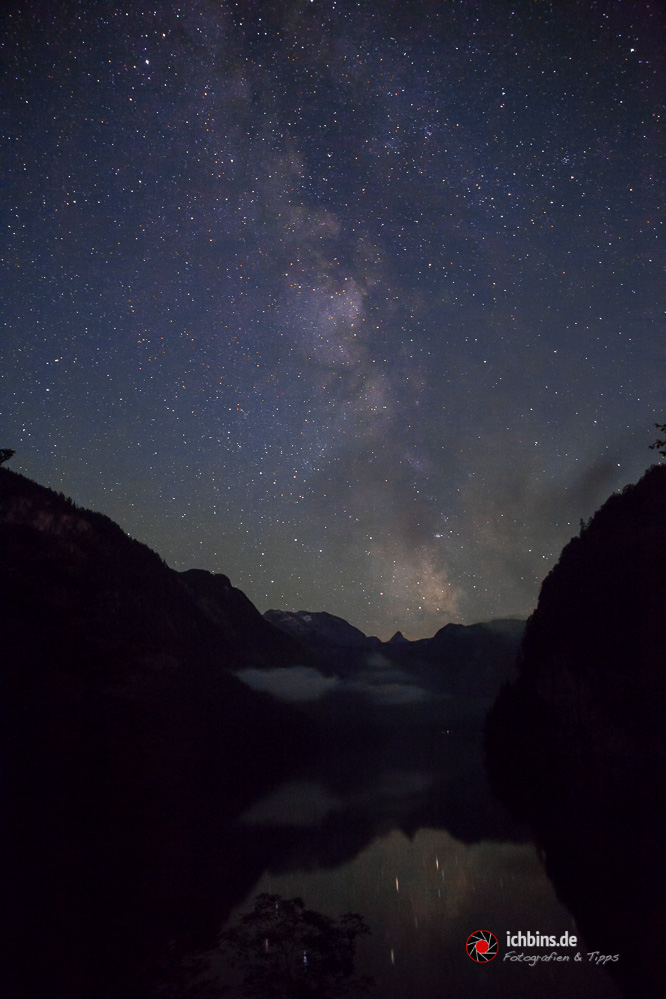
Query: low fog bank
[302, 684]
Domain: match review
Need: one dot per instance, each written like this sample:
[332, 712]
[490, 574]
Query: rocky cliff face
[578, 743]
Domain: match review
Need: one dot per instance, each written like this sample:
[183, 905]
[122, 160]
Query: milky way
[356, 303]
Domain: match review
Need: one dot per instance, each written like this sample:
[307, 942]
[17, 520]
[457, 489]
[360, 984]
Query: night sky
[355, 302]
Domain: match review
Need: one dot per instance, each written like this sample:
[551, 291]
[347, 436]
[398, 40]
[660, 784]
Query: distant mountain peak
[320, 626]
[398, 639]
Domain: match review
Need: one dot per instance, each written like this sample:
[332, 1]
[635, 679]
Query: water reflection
[423, 896]
[427, 857]
[397, 824]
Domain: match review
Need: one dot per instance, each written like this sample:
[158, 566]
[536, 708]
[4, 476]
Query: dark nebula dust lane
[354, 302]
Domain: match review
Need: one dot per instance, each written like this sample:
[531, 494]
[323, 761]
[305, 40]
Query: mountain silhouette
[131, 746]
[577, 743]
[126, 742]
[320, 628]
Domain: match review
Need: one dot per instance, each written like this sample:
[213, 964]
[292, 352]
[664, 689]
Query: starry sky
[355, 302]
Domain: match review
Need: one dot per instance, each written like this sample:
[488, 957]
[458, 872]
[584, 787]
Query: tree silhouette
[660, 443]
[5, 454]
[289, 952]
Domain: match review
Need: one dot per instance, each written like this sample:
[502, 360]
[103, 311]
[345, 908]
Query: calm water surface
[380, 843]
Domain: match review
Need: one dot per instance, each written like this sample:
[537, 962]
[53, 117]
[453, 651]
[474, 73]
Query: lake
[427, 857]
[116, 887]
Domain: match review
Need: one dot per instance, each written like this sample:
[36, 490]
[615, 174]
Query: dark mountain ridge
[466, 662]
[578, 745]
[131, 744]
[320, 628]
[126, 742]
[115, 587]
